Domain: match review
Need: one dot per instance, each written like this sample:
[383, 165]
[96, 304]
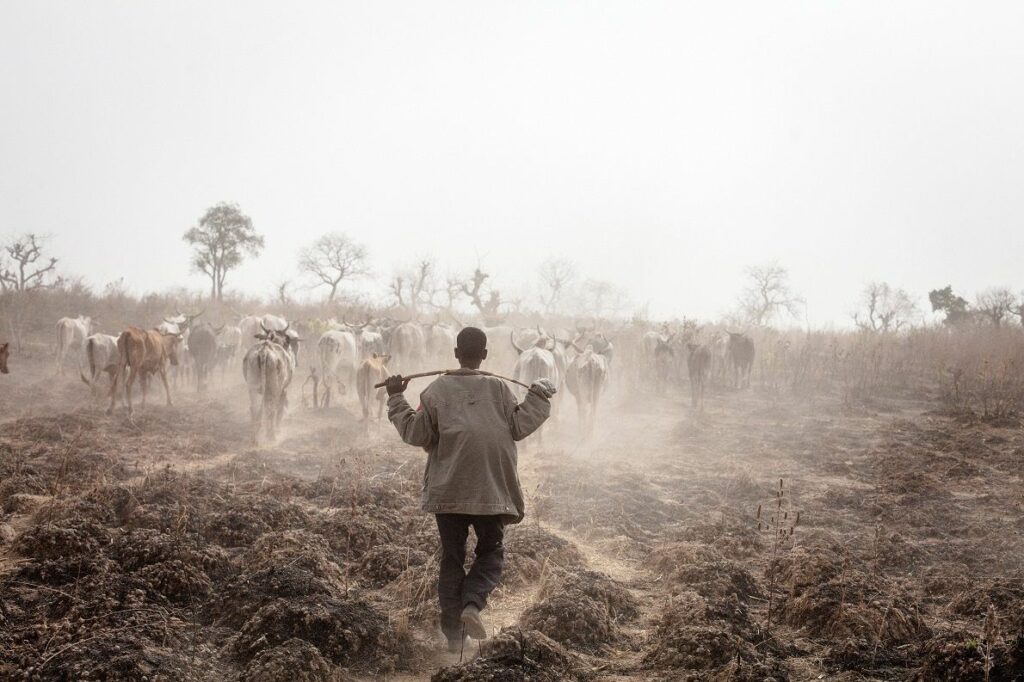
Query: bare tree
[556, 276]
[996, 304]
[884, 308]
[23, 267]
[768, 295]
[601, 298]
[333, 259]
[485, 299]
[24, 271]
[220, 243]
[281, 292]
[415, 287]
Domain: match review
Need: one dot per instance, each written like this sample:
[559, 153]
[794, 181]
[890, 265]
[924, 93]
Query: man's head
[471, 347]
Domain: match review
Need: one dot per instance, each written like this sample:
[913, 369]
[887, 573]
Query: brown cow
[144, 352]
[741, 355]
[372, 370]
[4, 352]
[698, 363]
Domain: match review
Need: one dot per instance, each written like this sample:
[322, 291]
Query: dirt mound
[384, 564]
[241, 598]
[693, 647]
[619, 601]
[696, 632]
[530, 549]
[1006, 595]
[346, 631]
[687, 565]
[960, 655]
[515, 656]
[352, 533]
[180, 582]
[64, 551]
[572, 619]
[729, 533]
[296, 660]
[867, 617]
[140, 548]
[245, 519]
[415, 591]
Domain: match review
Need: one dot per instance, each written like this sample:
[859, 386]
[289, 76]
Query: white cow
[534, 364]
[268, 367]
[102, 356]
[439, 340]
[339, 359]
[370, 340]
[252, 326]
[229, 343]
[406, 346]
[586, 379]
[71, 336]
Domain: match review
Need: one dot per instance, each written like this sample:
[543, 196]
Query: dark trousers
[455, 588]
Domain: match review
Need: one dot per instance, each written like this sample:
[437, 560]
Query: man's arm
[416, 427]
[527, 416]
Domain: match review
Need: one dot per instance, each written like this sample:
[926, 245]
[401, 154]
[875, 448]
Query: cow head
[287, 337]
[172, 342]
[5, 350]
[665, 345]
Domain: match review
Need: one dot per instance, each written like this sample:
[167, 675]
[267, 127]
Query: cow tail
[92, 363]
[125, 361]
[261, 360]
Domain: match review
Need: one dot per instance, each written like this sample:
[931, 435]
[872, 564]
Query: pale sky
[663, 146]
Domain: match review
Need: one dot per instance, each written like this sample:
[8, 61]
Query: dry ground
[172, 549]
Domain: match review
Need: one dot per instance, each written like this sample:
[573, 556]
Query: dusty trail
[660, 502]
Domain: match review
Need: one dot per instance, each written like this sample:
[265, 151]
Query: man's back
[468, 423]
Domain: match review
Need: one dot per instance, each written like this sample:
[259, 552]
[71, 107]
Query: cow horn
[219, 329]
[578, 349]
[264, 327]
[512, 338]
[169, 322]
[287, 326]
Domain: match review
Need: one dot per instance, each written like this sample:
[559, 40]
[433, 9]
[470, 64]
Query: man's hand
[396, 384]
[545, 387]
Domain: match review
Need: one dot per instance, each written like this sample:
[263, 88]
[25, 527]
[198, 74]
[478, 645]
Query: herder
[468, 424]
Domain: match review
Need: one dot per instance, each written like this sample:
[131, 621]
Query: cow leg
[581, 416]
[281, 404]
[269, 410]
[254, 414]
[167, 387]
[129, 381]
[113, 389]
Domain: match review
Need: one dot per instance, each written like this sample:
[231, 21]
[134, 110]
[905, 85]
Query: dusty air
[520, 342]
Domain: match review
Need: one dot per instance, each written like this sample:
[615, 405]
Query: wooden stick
[463, 372]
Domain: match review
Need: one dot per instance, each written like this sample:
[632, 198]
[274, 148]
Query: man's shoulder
[460, 383]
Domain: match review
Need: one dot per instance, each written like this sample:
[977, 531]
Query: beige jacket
[468, 424]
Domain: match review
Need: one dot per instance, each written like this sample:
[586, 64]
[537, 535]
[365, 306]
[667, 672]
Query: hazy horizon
[661, 147]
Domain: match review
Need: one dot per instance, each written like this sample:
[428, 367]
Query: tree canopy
[220, 242]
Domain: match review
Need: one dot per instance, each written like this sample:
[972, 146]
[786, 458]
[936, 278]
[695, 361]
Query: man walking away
[469, 424]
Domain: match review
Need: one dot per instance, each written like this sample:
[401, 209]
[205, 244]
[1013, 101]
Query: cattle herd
[585, 359]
